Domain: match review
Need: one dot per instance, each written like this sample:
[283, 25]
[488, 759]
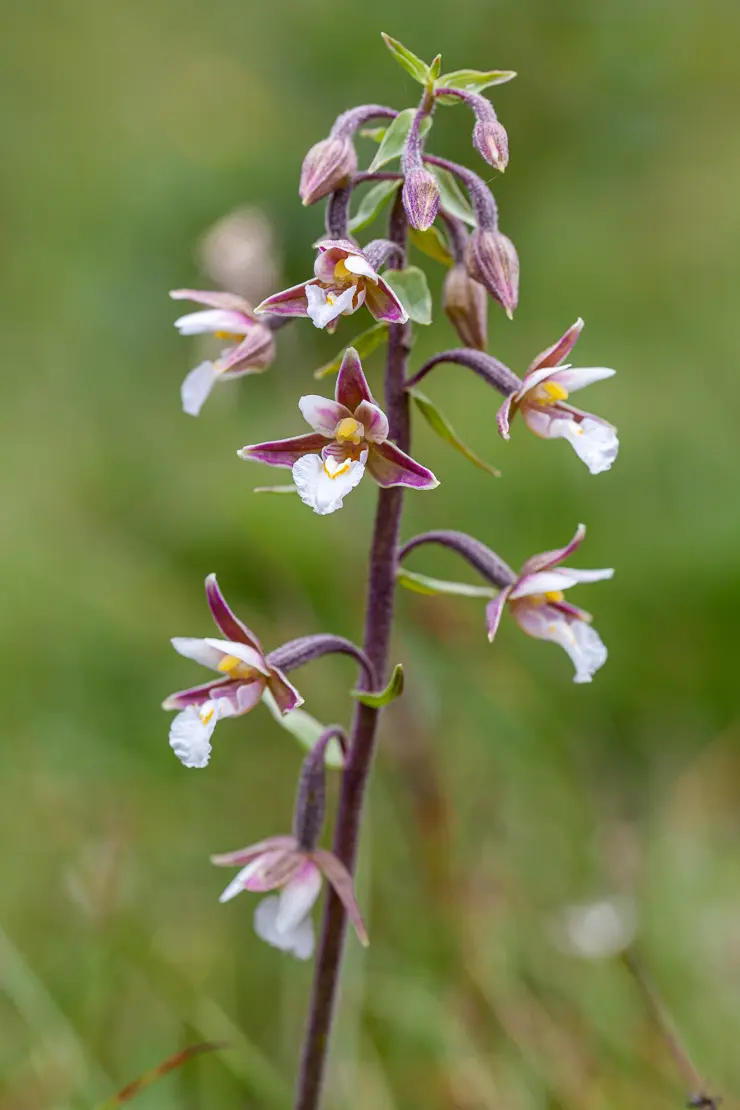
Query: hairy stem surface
[378, 627]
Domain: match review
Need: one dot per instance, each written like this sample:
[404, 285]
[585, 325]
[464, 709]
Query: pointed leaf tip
[377, 700]
[406, 58]
[445, 431]
[433, 587]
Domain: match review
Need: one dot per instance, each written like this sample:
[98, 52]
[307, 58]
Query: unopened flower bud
[327, 166]
[464, 301]
[492, 143]
[492, 260]
[421, 198]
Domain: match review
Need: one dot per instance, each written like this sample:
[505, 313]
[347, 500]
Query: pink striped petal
[297, 898]
[244, 855]
[390, 466]
[383, 304]
[289, 302]
[214, 299]
[560, 350]
[322, 414]
[337, 874]
[352, 387]
[373, 420]
[494, 612]
[504, 415]
[552, 558]
[284, 692]
[284, 452]
[229, 624]
[198, 695]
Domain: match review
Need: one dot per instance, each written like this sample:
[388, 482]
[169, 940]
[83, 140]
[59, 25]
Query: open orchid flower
[538, 605]
[541, 400]
[350, 435]
[244, 675]
[282, 864]
[344, 280]
[228, 317]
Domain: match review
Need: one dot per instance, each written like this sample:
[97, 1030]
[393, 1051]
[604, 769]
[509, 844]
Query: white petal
[200, 651]
[247, 654]
[238, 883]
[197, 386]
[594, 442]
[316, 489]
[357, 265]
[190, 737]
[546, 581]
[585, 648]
[297, 898]
[299, 941]
[215, 319]
[573, 378]
[321, 310]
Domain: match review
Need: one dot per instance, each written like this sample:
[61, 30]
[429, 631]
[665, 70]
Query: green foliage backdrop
[503, 792]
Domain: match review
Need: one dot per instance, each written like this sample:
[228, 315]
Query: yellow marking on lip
[348, 431]
[548, 392]
[340, 469]
[554, 595]
[205, 714]
[341, 273]
[235, 336]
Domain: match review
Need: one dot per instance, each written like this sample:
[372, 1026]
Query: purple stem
[480, 557]
[492, 371]
[296, 653]
[486, 212]
[337, 213]
[412, 155]
[458, 234]
[310, 806]
[483, 108]
[345, 125]
[378, 625]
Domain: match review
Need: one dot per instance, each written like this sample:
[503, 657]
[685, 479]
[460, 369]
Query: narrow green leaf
[410, 286]
[364, 343]
[433, 69]
[444, 430]
[393, 690]
[274, 489]
[305, 728]
[394, 139]
[471, 80]
[432, 242]
[372, 203]
[375, 134]
[132, 1089]
[452, 198]
[422, 584]
[406, 58]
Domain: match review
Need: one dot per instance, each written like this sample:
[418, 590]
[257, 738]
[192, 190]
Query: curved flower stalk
[537, 602]
[229, 317]
[343, 281]
[542, 402]
[245, 674]
[294, 865]
[350, 436]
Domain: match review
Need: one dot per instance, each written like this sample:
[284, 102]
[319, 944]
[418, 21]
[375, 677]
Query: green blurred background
[503, 792]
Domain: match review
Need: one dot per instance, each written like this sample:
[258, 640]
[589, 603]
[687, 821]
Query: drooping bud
[492, 142]
[310, 806]
[492, 260]
[327, 166]
[421, 198]
[464, 301]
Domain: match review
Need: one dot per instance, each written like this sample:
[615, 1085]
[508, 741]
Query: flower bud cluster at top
[452, 217]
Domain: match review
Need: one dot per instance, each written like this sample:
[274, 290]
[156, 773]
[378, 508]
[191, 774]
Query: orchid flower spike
[282, 864]
[350, 435]
[538, 606]
[542, 397]
[229, 317]
[245, 673]
[344, 280]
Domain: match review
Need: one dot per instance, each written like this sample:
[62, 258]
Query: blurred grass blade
[445, 431]
[131, 1090]
[452, 198]
[433, 587]
[364, 343]
[305, 728]
[432, 243]
[372, 204]
[393, 690]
